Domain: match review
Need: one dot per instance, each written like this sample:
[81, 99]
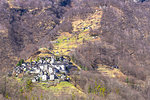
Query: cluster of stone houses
[45, 69]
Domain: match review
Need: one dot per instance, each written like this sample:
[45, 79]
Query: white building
[48, 60]
[41, 61]
[52, 60]
[44, 77]
[41, 67]
[50, 70]
[52, 77]
[44, 62]
[37, 71]
[33, 80]
[45, 67]
[24, 64]
[60, 66]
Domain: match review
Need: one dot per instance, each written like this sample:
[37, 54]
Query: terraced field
[67, 42]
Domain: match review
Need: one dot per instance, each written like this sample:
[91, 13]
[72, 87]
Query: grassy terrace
[63, 87]
[114, 73]
[66, 42]
[92, 20]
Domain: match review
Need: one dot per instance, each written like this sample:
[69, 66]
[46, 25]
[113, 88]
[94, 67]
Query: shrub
[20, 62]
[38, 59]
[29, 84]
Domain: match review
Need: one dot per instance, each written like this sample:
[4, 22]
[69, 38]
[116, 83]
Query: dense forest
[28, 25]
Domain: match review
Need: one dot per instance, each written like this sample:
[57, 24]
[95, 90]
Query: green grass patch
[18, 79]
[63, 86]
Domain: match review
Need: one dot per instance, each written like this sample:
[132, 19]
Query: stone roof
[59, 63]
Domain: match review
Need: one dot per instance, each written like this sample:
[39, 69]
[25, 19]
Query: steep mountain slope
[96, 34]
[124, 42]
[23, 24]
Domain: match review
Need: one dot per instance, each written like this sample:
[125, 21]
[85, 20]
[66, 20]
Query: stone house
[33, 80]
[24, 64]
[48, 60]
[44, 62]
[55, 70]
[41, 61]
[44, 77]
[51, 70]
[52, 77]
[60, 66]
[41, 66]
[37, 70]
[52, 60]
[45, 67]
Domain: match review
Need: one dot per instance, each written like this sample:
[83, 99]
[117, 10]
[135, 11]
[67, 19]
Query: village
[45, 69]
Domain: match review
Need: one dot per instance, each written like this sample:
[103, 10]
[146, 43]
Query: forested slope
[96, 34]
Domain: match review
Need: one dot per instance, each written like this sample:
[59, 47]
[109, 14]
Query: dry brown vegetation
[124, 41]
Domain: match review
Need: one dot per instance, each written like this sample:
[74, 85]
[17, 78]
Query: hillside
[107, 40]
[24, 24]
